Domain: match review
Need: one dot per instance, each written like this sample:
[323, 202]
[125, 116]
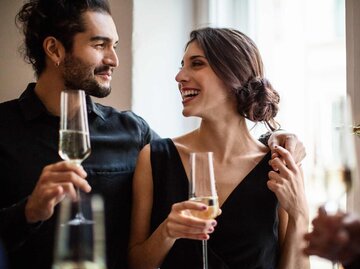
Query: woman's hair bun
[258, 101]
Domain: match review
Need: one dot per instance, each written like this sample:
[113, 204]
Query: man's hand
[334, 237]
[288, 141]
[56, 181]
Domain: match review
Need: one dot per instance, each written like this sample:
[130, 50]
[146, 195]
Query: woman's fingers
[181, 223]
[182, 228]
[286, 159]
[188, 205]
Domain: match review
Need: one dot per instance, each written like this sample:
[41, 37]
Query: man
[335, 237]
[2, 257]
[70, 44]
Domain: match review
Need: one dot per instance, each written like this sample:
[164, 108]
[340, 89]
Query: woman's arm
[140, 218]
[291, 255]
[149, 250]
[286, 181]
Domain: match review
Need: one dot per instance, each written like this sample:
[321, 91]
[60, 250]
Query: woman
[264, 213]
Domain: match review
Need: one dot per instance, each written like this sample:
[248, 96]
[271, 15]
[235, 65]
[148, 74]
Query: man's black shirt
[29, 141]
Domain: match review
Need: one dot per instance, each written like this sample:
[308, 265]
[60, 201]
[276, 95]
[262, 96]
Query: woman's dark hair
[236, 60]
[61, 19]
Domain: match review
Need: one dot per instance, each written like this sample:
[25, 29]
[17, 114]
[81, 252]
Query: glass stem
[79, 214]
[205, 254]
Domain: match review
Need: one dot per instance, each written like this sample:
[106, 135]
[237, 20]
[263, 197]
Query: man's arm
[14, 228]
[335, 237]
[353, 265]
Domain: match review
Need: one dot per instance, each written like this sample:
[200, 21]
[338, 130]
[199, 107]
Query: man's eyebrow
[102, 38]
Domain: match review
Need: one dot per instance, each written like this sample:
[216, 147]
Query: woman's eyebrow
[193, 57]
[197, 56]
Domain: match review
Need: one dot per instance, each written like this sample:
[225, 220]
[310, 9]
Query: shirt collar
[93, 107]
[30, 104]
[33, 108]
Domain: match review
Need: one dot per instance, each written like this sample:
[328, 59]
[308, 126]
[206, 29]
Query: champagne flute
[334, 157]
[202, 189]
[80, 246]
[334, 152]
[74, 142]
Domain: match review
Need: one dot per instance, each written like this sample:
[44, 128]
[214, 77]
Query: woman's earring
[57, 64]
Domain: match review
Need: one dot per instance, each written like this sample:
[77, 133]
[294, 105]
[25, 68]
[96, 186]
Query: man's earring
[57, 64]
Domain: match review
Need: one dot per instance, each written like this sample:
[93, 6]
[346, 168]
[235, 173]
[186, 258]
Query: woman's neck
[225, 138]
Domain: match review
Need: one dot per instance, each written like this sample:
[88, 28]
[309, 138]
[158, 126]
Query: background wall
[15, 73]
[353, 81]
[161, 29]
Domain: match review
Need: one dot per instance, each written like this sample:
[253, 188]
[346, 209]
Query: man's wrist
[264, 138]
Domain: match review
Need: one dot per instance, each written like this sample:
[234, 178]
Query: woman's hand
[181, 224]
[286, 181]
[288, 141]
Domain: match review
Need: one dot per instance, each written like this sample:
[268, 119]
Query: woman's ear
[54, 50]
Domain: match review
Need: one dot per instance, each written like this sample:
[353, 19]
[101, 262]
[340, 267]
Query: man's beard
[79, 76]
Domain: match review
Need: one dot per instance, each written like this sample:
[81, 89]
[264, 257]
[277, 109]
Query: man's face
[90, 64]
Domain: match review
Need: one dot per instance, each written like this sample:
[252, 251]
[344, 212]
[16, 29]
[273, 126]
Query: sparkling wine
[77, 265]
[74, 145]
[211, 212]
[338, 180]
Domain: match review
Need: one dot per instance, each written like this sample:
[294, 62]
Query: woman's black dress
[246, 235]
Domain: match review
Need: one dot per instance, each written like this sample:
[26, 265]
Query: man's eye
[100, 46]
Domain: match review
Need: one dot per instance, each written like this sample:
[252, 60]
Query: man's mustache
[102, 68]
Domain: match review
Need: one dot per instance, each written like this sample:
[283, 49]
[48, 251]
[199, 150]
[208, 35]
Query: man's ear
[54, 50]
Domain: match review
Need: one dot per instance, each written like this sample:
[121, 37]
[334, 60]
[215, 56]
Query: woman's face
[203, 93]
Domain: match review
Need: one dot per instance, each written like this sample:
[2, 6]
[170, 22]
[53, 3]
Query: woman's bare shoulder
[183, 143]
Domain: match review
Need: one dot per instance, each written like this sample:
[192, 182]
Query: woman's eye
[197, 63]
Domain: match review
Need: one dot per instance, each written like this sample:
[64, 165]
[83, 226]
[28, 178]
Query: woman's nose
[182, 76]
